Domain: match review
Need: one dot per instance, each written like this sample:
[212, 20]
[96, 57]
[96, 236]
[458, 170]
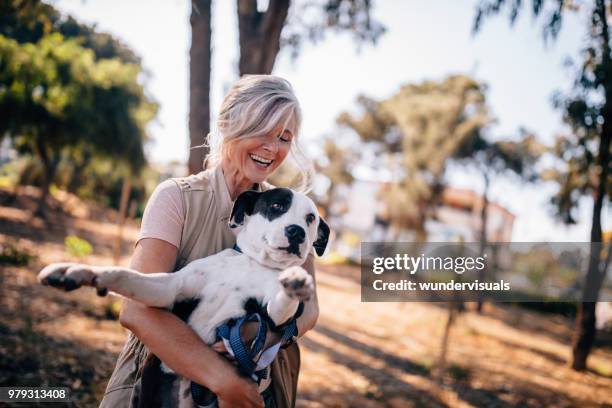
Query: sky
[426, 39]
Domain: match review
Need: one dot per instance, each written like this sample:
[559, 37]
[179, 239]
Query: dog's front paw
[298, 283]
[70, 276]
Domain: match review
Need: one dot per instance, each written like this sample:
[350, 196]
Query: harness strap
[230, 331]
[202, 396]
[244, 355]
[289, 333]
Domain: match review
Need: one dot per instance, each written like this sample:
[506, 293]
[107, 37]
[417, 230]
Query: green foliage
[69, 92]
[504, 156]
[584, 166]
[539, 266]
[587, 112]
[585, 108]
[77, 247]
[97, 178]
[415, 132]
[338, 162]
[28, 21]
[552, 11]
[101, 181]
[311, 20]
[9, 173]
[605, 370]
[335, 164]
[11, 255]
[55, 94]
[556, 276]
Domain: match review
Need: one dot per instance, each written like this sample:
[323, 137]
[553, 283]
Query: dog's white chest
[229, 280]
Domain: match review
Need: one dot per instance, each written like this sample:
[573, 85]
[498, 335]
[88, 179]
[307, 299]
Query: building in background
[7, 152]
[459, 214]
[355, 217]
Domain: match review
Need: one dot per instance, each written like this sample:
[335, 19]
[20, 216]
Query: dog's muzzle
[296, 236]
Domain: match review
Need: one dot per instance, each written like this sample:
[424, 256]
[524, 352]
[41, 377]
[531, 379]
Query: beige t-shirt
[164, 214]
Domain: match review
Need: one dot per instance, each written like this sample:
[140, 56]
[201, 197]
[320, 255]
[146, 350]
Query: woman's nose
[271, 146]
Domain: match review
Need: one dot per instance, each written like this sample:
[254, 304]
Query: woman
[186, 219]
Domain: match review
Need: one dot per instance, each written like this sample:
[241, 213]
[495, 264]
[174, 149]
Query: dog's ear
[242, 207]
[322, 236]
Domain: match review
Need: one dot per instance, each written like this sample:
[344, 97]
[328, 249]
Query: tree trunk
[49, 162]
[76, 180]
[440, 365]
[584, 336]
[259, 35]
[483, 232]
[46, 177]
[199, 82]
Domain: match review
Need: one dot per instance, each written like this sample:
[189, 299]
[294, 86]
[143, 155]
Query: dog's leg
[297, 285]
[150, 383]
[152, 289]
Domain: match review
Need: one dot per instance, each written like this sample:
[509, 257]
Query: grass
[605, 370]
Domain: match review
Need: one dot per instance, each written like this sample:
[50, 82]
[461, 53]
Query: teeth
[260, 159]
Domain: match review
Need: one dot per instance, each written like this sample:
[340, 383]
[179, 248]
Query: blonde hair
[256, 105]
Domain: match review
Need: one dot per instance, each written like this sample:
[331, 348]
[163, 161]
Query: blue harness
[247, 355]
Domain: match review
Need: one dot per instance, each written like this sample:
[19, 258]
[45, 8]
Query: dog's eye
[276, 206]
[310, 218]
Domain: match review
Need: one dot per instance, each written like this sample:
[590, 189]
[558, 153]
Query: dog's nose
[295, 233]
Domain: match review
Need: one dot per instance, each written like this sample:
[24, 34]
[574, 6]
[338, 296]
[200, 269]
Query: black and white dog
[276, 230]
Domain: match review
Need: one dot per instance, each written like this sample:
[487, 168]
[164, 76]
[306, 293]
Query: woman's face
[258, 156]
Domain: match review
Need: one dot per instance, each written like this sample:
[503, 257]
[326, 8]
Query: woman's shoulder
[166, 192]
[199, 181]
[164, 214]
[168, 186]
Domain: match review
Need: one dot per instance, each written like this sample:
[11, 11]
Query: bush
[458, 372]
[77, 247]
[11, 255]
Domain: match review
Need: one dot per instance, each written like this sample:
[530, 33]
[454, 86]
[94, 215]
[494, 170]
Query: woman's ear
[242, 207]
[322, 236]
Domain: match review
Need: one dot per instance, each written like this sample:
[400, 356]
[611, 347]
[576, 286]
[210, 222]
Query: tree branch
[259, 35]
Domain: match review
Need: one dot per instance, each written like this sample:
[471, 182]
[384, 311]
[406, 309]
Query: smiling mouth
[290, 249]
[260, 161]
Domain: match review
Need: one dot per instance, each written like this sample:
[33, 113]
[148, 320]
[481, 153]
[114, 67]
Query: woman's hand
[238, 391]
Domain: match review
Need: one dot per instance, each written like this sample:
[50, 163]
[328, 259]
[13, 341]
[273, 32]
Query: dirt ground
[360, 354]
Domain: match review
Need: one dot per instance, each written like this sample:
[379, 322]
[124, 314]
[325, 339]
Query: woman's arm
[175, 343]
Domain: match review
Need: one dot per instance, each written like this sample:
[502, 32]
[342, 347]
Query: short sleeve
[164, 214]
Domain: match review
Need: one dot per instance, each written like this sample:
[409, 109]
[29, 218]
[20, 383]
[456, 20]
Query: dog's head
[278, 227]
